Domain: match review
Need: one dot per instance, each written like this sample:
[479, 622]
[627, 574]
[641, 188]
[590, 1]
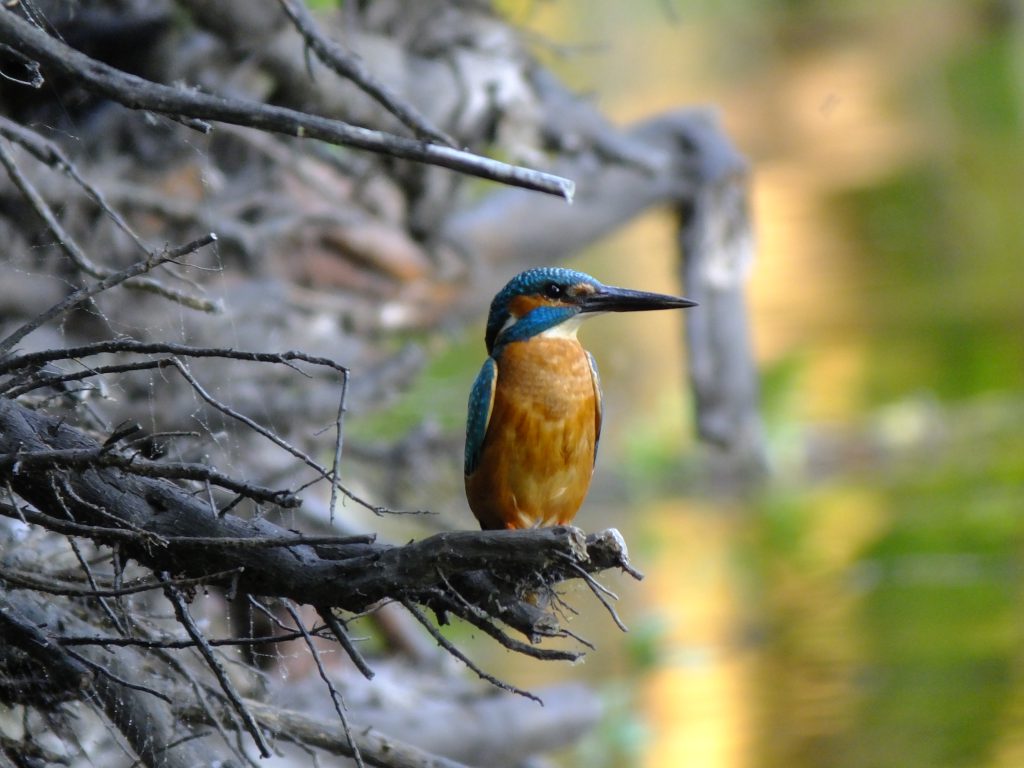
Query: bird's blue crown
[542, 281]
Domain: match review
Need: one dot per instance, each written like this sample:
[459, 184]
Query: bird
[535, 409]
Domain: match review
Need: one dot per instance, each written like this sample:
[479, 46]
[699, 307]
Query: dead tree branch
[376, 748]
[352, 67]
[332, 251]
[111, 280]
[137, 93]
[490, 570]
[63, 237]
[147, 721]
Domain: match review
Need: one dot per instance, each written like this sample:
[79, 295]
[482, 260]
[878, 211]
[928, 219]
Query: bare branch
[336, 699]
[338, 630]
[351, 66]
[149, 539]
[602, 593]
[178, 644]
[102, 671]
[376, 748]
[108, 282]
[455, 651]
[339, 441]
[61, 676]
[70, 246]
[101, 457]
[186, 621]
[162, 348]
[50, 586]
[138, 93]
[450, 571]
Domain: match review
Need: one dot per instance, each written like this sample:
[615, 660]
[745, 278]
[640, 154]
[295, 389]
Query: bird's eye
[553, 291]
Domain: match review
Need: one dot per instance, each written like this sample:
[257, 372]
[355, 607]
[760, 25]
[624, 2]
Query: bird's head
[552, 300]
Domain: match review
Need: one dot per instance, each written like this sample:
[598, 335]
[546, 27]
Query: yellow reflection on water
[819, 121]
[722, 698]
[698, 702]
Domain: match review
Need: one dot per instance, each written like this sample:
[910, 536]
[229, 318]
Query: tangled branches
[79, 485]
[152, 469]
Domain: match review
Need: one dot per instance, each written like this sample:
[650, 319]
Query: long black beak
[608, 298]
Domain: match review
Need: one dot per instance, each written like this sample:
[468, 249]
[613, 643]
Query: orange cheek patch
[521, 306]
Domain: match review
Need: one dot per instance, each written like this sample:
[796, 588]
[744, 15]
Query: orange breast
[538, 453]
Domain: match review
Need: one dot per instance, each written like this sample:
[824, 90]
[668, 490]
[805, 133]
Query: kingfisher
[535, 409]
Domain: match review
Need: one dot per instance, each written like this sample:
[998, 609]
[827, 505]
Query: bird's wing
[598, 402]
[481, 402]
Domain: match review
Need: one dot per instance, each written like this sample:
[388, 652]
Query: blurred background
[862, 607]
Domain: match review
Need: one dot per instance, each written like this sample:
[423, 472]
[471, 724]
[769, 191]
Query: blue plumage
[531, 282]
[539, 320]
[535, 410]
[481, 400]
[599, 395]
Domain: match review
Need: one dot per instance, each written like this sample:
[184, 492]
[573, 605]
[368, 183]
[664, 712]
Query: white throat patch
[565, 330]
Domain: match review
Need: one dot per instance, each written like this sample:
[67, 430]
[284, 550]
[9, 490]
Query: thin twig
[206, 651]
[377, 748]
[241, 417]
[97, 457]
[336, 699]
[480, 619]
[70, 246]
[599, 591]
[88, 292]
[267, 613]
[50, 379]
[179, 644]
[69, 528]
[117, 679]
[454, 650]
[114, 618]
[335, 625]
[138, 93]
[51, 154]
[339, 428]
[16, 388]
[109, 346]
[578, 638]
[150, 539]
[44, 584]
[199, 689]
[351, 67]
